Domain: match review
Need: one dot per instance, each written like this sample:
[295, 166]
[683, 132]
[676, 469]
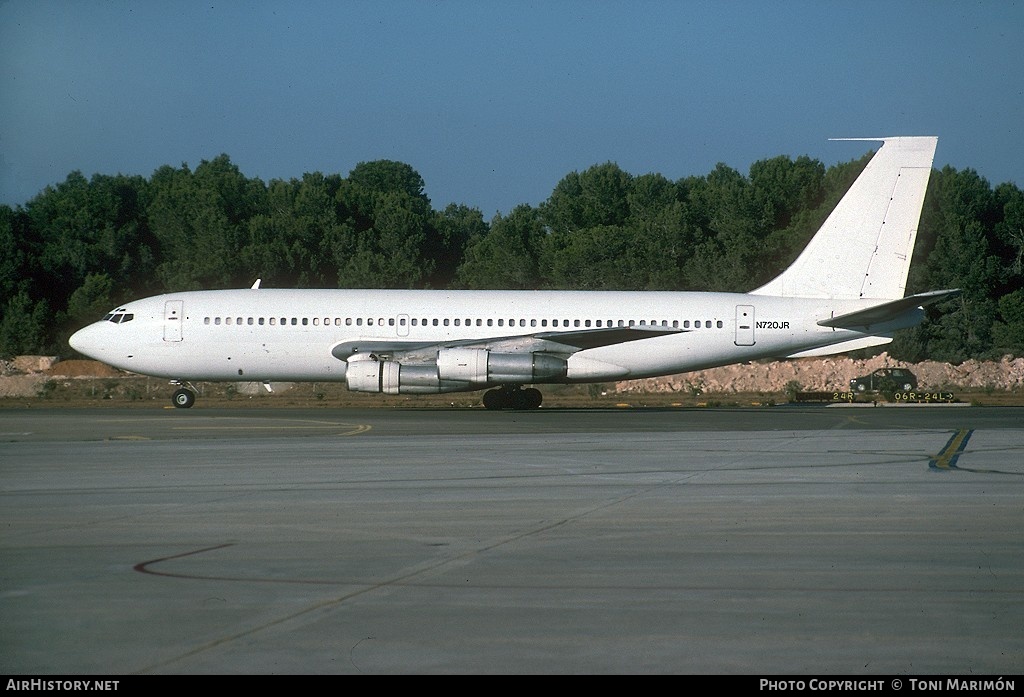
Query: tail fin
[863, 249]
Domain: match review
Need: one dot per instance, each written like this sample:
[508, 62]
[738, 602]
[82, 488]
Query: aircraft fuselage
[295, 335]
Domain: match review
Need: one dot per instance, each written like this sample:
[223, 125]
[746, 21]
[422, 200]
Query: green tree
[729, 227]
[17, 252]
[664, 239]
[581, 200]
[604, 257]
[1008, 332]
[962, 258]
[506, 256]
[91, 300]
[452, 229]
[1008, 235]
[389, 177]
[199, 220]
[388, 228]
[23, 326]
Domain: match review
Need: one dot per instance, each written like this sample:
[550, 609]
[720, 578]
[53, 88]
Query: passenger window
[586, 323]
[249, 321]
[261, 321]
[227, 321]
[501, 323]
[718, 324]
[295, 321]
[446, 322]
[316, 321]
[696, 324]
[206, 320]
[457, 321]
[216, 320]
[359, 321]
[238, 320]
[369, 321]
[391, 321]
[273, 321]
[490, 323]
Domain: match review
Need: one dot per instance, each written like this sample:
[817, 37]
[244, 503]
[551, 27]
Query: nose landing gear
[184, 397]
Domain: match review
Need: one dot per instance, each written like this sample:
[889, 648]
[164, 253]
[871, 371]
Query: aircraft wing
[564, 342]
[594, 338]
[886, 311]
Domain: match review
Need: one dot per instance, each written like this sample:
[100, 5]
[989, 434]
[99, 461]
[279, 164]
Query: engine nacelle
[481, 366]
[391, 377]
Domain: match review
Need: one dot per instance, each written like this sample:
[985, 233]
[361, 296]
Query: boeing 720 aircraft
[844, 292]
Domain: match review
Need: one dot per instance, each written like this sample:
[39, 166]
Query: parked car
[885, 380]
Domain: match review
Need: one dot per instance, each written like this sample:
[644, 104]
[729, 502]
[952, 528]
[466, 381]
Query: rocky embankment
[835, 373]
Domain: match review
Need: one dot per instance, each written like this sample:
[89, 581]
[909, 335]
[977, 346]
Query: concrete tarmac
[787, 540]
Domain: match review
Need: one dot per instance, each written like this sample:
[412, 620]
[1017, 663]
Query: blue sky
[494, 102]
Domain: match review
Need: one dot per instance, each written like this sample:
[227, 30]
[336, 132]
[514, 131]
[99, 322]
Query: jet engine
[455, 370]
[485, 367]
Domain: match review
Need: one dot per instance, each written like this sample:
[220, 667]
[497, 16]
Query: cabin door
[744, 325]
[172, 320]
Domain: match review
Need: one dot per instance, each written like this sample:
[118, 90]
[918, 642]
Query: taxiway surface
[790, 540]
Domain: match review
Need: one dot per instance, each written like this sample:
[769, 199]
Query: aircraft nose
[84, 341]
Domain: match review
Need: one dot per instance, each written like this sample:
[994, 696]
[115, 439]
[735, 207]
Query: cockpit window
[119, 316]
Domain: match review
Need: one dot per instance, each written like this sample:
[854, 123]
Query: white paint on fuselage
[253, 352]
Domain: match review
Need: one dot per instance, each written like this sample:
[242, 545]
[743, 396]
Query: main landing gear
[184, 397]
[513, 397]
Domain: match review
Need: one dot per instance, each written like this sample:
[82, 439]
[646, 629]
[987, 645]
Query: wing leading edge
[567, 342]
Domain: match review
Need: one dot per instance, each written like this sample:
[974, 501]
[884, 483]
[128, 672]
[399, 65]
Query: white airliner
[845, 291]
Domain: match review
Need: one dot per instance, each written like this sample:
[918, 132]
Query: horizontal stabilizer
[887, 311]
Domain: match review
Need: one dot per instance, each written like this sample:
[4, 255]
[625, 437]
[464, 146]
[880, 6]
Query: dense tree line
[79, 248]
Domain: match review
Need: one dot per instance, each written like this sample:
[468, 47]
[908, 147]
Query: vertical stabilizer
[864, 248]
